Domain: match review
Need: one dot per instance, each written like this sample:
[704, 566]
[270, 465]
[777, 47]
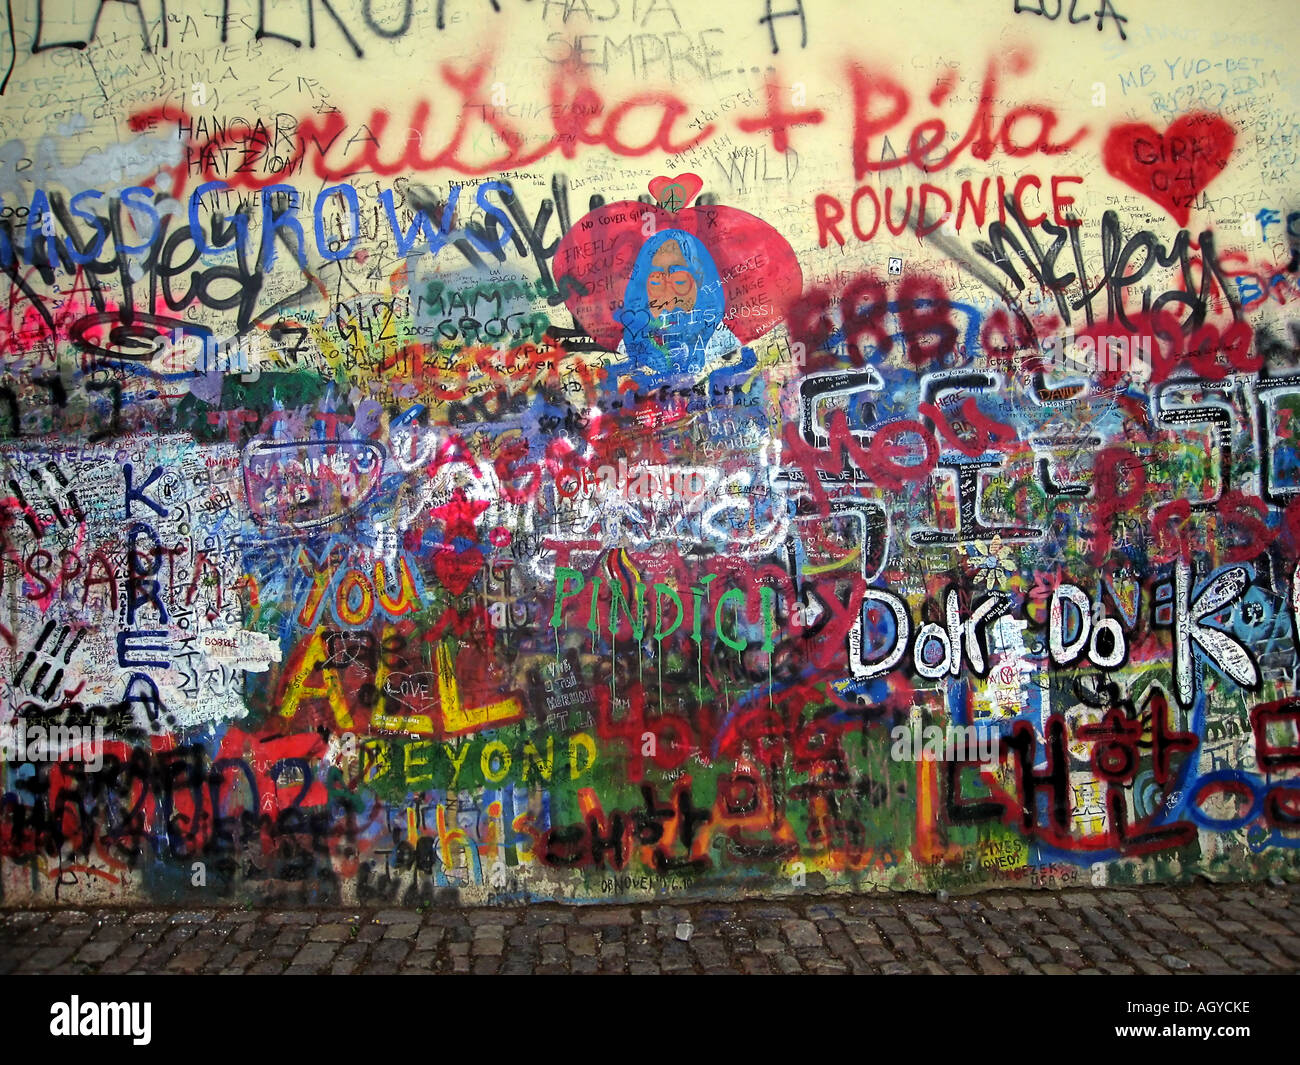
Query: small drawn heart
[1170, 168]
[674, 193]
[455, 569]
[635, 322]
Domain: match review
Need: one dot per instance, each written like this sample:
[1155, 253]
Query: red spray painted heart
[1173, 167]
[456, 569]
[674, 193]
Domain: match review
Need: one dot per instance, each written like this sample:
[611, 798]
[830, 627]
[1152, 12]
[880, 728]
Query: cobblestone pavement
[1203, 929]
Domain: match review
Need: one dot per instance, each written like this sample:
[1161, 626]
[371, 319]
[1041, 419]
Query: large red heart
[1170, 167]
[457, 568]
[758, 269]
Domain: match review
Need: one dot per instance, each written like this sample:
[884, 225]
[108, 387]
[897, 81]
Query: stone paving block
[864, 936]
[1133, 951]
[841, 945]
[44, 958]
[602, 917]
[291, 917]
[869, 907]
[71, 919]
[188, 961]
[495, 916]
[96, 952]
[1251, 964]
[771, 911]
[316, 954]
[581, 944]
[154, 917]
[1097, 952]
[222, 957]
[390, 950]
[29, 918]
[998, 947]
[904, 945]
[1206, 961]
[800, 933]
[1078, 899]
[709, 952]
[116, 931]
[551, 916]
[331, 933]
[1290, 944]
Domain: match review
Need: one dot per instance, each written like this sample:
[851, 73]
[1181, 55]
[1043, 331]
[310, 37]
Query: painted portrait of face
[672, 306]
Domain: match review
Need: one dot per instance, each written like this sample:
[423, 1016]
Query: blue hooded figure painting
[672, 312]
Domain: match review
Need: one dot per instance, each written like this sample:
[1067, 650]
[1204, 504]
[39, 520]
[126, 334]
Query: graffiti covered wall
[595, 449]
